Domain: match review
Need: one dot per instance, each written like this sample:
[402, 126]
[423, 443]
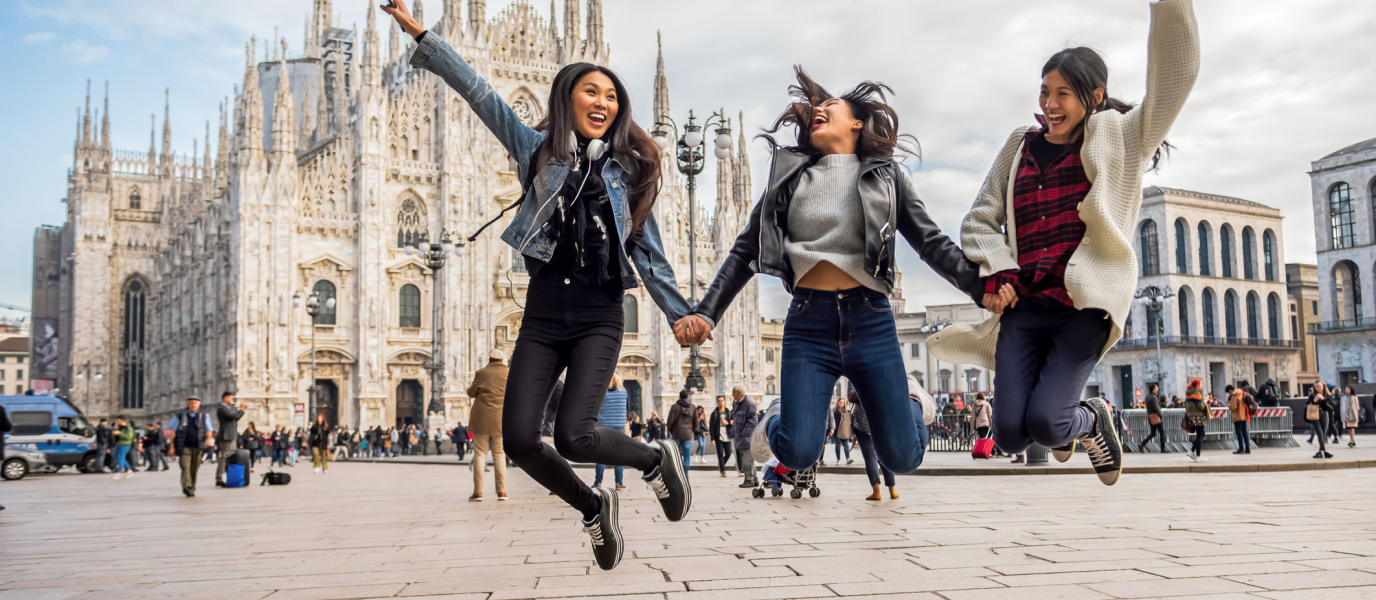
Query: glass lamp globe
[425, 246]
[721, 153]
[692, 138]
[723, 138]
[410, 250]
[447, 247]
[662, 139]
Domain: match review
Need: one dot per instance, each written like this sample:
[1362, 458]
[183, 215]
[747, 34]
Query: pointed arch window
[135, 200]
[1182, 248]
[1151, 256]
[1273, 317]
[1253, 316]
[324, 290]
[409, 302]
[409, 220]
[1230, 316]
[131, 347]
[1249, 269]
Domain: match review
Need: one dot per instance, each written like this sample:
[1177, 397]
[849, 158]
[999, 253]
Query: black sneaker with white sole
[605, 531]
[1063, 453]
[669, 482]
[1102, 444]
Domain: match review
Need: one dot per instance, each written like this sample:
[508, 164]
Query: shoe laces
[595, 530]
[657, 486]
[1097, 449]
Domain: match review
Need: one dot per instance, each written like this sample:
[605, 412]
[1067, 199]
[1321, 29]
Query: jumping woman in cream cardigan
[1051, 231]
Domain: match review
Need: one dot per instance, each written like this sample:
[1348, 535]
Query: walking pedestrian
[485, 422]
[320, 444]
[1197, 414]
[124, 441]
[151, 435]
[637, 428]
[1237, 407]
[6, 426]
[1153, 405]
[459, 435]
[1053, 226]
[1351, 414]
[612, 415]
[745, 417]
[700, 434]
[845, 430]
[104, 445]
[252, 441]
[1334, 414]
[193, 433]
[1316, 413]
[682, 421]
[228, 435]
[873, 468]
[720, 426]
[279, 439]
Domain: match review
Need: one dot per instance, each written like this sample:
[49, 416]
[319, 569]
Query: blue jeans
[597, 477]
[702, 445]
[851, 333]
[1244, 440]
[841, 445]
[122, 459]
[685, 448]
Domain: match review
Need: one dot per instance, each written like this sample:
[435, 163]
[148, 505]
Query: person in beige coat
[1052, 231]
[485, 422]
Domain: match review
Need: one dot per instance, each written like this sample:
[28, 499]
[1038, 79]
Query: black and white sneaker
[1063, 453]
[605, 531]
[1102, 444]
[670, 483]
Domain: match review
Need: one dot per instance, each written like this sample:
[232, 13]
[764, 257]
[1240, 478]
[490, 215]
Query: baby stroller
[775, 476]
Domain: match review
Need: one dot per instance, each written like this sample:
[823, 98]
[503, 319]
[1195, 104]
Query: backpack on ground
[236, 476]
[272, 478]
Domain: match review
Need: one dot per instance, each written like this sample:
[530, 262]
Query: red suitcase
[983, 448]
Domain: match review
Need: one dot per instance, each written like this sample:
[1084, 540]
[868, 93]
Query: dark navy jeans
[851, 333]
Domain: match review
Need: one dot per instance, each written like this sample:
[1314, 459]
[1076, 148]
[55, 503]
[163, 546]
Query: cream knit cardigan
[1102, 272]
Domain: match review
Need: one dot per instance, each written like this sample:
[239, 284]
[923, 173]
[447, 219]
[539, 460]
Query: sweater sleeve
[1172, 67]
[982, 236]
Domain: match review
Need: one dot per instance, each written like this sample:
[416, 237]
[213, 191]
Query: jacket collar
[787, 164]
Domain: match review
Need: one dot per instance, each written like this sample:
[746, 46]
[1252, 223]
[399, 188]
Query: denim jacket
[527, 230]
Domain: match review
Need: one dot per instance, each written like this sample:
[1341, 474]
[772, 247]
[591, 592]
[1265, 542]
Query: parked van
[51, 426]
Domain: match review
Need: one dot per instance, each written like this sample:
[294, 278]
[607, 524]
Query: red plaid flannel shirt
[1049, 229]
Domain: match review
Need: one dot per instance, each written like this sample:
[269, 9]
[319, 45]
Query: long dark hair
[879, 137]
[1085, 71]
[624, 136]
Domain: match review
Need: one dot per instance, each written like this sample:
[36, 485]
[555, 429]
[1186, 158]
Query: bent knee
[573, 446]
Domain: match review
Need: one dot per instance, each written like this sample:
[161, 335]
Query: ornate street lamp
[312, 308]
[85, 374]
[1154, 300]
[691, 150]
[435, 256]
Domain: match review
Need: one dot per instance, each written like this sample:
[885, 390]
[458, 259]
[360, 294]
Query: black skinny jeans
[576, 327]
[1198, 443]
[723, 454]
[1156, 430]
[872, 467]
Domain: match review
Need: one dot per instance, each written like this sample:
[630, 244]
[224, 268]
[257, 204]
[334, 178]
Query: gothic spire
[594, 27]
[571, 20]
[283, 123]
[393, 42]
[372, 67]
[661, 105]
[743, 166]
[303, 136]
[419, 11]
[320, 22]
[105, 119]
[86, 120]
[553, 25]
[205, 164]
[167, 124]
[152, 136]
[477, 14]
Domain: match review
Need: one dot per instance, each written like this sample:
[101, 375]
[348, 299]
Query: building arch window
[632, 308]
[135, 200]
[409, 306]
[1347, 292]
[324, 290]
[1249, 253]
[1225, 249]
[1253, 316]
[1230, 316]
[917, 350]
[518, 262]
[769, 355]
[1273, 317]
[1205, 256]
[132, 345]
[410, 219]
[1183, 302]
[1151, 255]
[1342, 216]
[1268, 254]
[1207, 305]
[1182, 248]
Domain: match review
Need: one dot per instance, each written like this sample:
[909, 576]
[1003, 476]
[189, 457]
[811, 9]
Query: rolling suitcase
[983, 448]
[237, 472]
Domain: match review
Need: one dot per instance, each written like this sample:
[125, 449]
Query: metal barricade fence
[1269, 427]
[951, 433]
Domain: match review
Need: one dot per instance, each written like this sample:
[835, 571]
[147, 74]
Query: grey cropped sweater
[826, 221]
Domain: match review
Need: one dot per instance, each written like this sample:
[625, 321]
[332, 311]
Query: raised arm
[436, 56]
[1172, 66]
[934, 247]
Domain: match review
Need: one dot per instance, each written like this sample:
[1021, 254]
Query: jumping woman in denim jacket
[591, 176]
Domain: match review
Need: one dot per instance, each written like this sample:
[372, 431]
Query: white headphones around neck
[596, 148]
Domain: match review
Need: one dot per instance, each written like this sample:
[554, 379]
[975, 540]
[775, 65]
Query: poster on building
[44, 349]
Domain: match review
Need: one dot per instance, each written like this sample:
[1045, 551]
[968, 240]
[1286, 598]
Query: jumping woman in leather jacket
[585, 222]
[1052, 230]
[826, 225]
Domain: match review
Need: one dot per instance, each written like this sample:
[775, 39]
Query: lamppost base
[1037, 456]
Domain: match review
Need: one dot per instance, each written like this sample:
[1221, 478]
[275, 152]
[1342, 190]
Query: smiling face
[835, 130]
[1062, 108]
[595, 104]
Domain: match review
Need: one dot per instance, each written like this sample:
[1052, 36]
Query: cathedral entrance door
[409, 396]
[327, 400]
[633, 399]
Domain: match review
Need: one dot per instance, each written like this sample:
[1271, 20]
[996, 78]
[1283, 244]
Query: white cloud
[42, 36]
[82, 52]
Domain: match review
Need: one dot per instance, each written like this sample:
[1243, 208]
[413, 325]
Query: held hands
[397, 8]
[1005, 299]
[692, 330]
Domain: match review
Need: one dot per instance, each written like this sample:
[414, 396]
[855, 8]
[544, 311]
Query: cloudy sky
[1282, 84]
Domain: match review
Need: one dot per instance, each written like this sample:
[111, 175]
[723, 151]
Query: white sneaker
[129, 474]
[317, 469]
[116, 476]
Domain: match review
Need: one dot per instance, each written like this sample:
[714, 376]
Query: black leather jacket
[890, 205]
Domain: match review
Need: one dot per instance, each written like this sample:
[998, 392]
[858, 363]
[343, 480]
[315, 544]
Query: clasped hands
[692, 330]
[1005, 299]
